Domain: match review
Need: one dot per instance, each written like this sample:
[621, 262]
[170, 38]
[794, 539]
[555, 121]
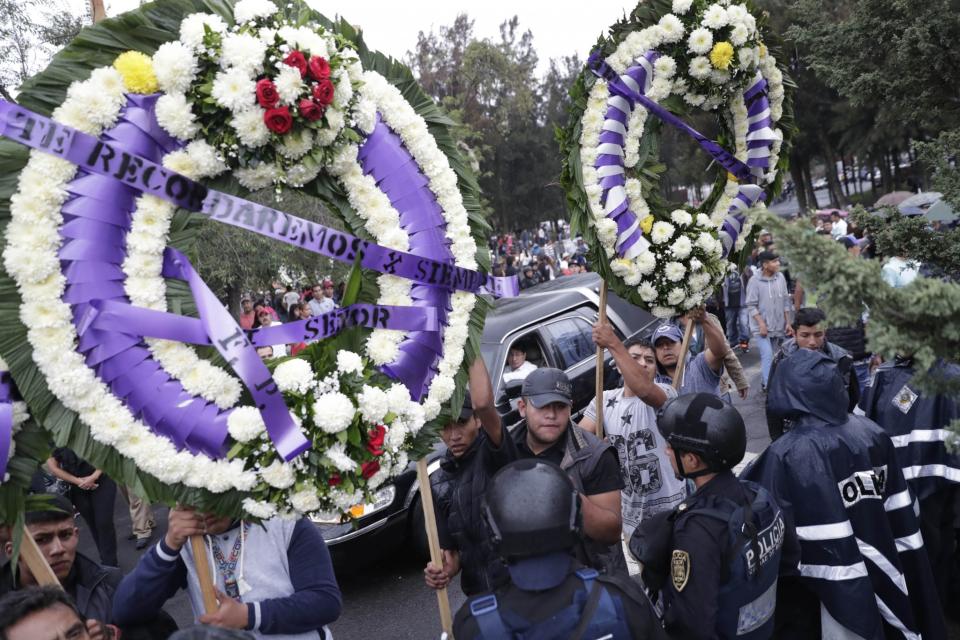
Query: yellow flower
[731, 177]
[137, 71]
[721, 55]
[763, 50]
[647, 224]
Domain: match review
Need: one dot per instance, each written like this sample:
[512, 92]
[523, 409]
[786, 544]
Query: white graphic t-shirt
[649, 484]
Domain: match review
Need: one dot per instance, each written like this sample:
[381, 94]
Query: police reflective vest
[607, 621]
[747, 597]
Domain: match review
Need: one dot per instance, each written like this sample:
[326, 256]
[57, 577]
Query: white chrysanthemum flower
[607, 231]
[234, 90]
[703, 220]
[646, 262]
[338, 456]
[648, 293]
[700, 67]
[192, 28]
[207, 160]
[374, 404]
[676, 296]
[245, 424]
[365, 115]
[695, 265]
[665, 67]
[674, 271]
[670, 27]
[333, 412]
[661, 232]
[259, 509]
[251, 130]
[247, 10]
[718, 77]
[700, 41]
[398, 398]
[682, 6]
[257, 177]
[694, 99]
[349, 362]
[279, 475]
[294, 376]
[108, 81]
[681, 247]
[715, 17]
[297, 144]
[632, 276]
[182, 162]
[175, 67]
[681, 217]
[706, 242]
[383, 345]
[289, 84]
[300, 174]
[243, 52]
[305, 501]
[175, 115]
[739, 35]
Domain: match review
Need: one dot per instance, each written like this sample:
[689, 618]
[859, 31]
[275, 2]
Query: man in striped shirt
[863, 570]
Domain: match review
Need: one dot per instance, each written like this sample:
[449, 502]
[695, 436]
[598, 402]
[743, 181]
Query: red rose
[323, 92]
[367, 469]
[375, 440]
[267, 94]
[319, 68]
[296, 59]
[278, 119]
[334, 480]
[310, 110]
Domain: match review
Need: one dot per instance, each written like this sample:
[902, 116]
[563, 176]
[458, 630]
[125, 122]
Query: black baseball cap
[545, 385]
[466, 412]
[767, 256]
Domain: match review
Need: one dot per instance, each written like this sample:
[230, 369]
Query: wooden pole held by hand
[436, 556]
[682, 358]
[97, 11]
[600, 361]
[32, 557]
[202, 563]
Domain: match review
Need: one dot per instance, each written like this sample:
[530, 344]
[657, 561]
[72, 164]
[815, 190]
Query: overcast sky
[559, 28]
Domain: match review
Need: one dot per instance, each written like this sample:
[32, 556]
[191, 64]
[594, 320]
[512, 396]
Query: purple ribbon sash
[103, 158]
[6, 420]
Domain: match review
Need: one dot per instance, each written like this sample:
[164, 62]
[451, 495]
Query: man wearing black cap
[548, 434]
[476, 449]
[769, 307]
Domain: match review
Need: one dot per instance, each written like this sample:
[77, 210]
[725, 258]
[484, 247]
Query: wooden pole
[204, 577]
[600, 360]
[436, 556]
[32, 557]
[682, 358]
[96, 8]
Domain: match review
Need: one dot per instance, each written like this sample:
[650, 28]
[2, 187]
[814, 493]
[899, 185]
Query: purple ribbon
[147, 176]
[111, 315]
[6, 420]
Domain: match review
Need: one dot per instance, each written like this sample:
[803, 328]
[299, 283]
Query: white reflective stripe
[921, 435]
[898, 501]
[619, 103]
[615, 126]
[610, 149]
[916, 508]
[630, 82]
[256, 616]
[609, 170]
[894, 621]
[833, 531]
[164, 555]
[877, 558]
[932, 470]
[835, 573]
[910, 543]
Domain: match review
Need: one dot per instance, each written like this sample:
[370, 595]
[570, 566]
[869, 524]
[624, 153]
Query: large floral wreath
[663, 61]
[261, 98]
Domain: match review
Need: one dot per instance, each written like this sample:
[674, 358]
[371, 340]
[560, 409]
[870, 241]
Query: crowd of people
[633, 524]
[539, 255]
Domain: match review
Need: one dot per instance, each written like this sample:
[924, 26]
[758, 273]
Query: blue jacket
[917, 424]
[837, 478]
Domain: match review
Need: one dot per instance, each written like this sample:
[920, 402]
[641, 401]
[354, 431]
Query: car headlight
[382, 499]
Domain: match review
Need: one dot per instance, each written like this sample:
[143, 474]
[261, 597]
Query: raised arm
[716, 342]
[481, 395]
[634, 376]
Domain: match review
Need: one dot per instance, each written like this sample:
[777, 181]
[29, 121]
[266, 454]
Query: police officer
[532, 511]
[715, 558]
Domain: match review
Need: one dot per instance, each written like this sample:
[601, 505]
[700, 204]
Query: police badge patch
[680, 569]
[905, 399]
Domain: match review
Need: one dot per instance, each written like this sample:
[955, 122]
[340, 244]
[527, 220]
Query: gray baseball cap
[545, 385]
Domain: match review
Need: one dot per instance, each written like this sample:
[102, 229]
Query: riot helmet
[531, 508]
[703, 424]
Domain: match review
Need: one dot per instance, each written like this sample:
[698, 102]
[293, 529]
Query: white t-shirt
[839, 229]
[290, 298]
[518, 374]
[649, 484]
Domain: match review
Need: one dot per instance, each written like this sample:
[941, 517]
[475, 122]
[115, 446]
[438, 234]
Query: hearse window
[571, 341]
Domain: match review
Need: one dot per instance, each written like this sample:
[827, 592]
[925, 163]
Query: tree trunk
[897, 174]
[796, 172]
[808, 185]
[830, 159]
[233, 300]
[845, 183]
[886, 180]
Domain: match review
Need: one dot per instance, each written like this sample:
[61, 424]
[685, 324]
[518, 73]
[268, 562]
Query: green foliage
[921, 320]
[912, 237]
[941, 156]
